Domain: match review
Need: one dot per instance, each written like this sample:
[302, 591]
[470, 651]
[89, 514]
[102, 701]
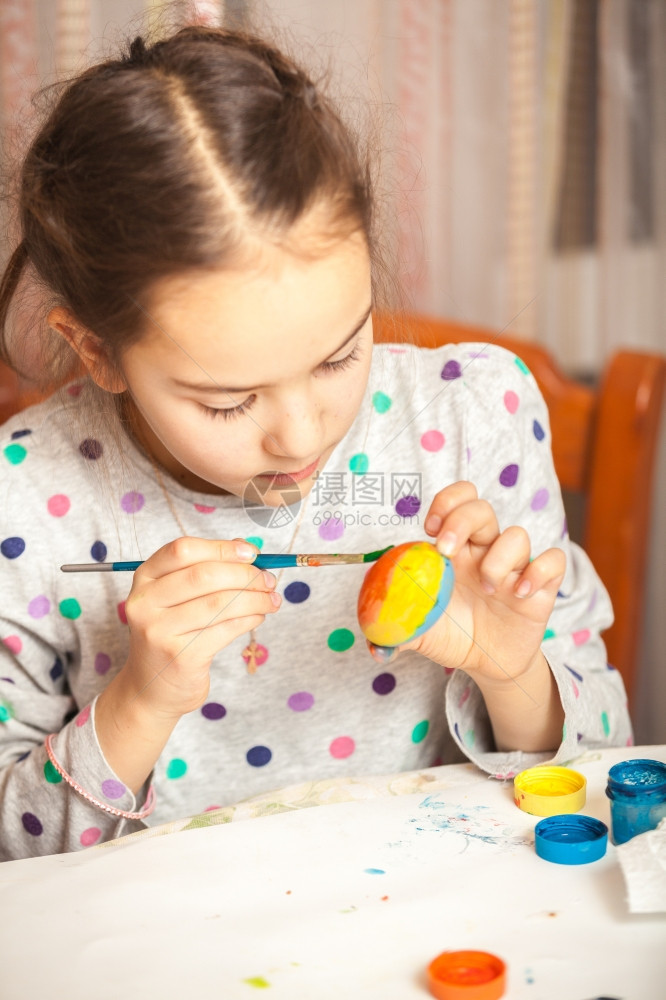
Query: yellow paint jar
[549, 791]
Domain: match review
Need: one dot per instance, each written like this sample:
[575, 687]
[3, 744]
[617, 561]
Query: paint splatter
[258, 982]
[472, 824]
[374, 871]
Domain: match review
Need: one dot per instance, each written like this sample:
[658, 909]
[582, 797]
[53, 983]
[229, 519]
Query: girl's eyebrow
[213, 387]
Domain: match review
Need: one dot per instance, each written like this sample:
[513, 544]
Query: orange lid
[467, 975]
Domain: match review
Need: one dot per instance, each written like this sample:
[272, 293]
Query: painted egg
[404, 593]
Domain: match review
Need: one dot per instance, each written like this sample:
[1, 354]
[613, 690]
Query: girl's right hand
[188, 601]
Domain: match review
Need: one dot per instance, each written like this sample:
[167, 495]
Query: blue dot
[56, 669]
[98, 551]
[539, 432]
[297, 592]
[20, 434]
[258, 756]
[12, 548]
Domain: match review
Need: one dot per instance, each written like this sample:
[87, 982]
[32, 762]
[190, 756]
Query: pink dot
[432, 440]
[90, 836]
[58, 505]
[39, 606]
[511, 401]
[75, 390]
[83, 716]
[581, 637]
[203, 509]
[575, 689]
[13, 643]
[209, 809]
[463, 697]
[102, 663]
[260, 655]
[342, 747]
[331, 529]
[121, 613]
[540, 499]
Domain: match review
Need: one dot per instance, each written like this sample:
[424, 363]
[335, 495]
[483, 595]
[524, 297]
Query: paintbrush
[265, 560]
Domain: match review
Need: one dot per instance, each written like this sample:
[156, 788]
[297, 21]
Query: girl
[204, 224]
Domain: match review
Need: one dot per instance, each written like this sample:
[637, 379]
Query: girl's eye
[229, 413]
[336, 366]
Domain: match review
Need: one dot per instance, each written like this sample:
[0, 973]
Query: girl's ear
[91, 350]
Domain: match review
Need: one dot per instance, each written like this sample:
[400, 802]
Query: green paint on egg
[359, 464]
[420, 731]
[521, 364]
[50, 773]
[549, 634]
[70, 608]
[340, 640]
[381, 402]
[15, 453]
[258, 982]
[255, 540]
[605, 723]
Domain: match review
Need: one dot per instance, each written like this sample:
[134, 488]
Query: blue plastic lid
[570, 839]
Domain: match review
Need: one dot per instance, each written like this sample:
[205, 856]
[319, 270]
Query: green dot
[420, 731]
[470, 736]
[15, 453]
[605, 723]
[70, 608]
[381, 402]
[359, 464]
[176, 768]
[51, 774]
[258, 982]
[340, 639]
[521, 364]
[549, 634]
[5, 713]
[255, 540]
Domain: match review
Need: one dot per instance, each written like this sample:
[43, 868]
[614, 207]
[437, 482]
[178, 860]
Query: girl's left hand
[501, 602]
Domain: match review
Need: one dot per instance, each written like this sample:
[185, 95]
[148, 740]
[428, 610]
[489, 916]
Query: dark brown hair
[167, 160]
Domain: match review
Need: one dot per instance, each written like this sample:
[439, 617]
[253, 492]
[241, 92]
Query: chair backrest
[604, 447]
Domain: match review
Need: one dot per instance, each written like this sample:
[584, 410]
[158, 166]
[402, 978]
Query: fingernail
[245, 551]
[276, 599]
[269, 579]
[433, 524]
[523, 588]
[447, 543]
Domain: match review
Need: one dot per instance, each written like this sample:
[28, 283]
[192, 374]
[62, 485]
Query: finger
[202, 579]
[545, 573]
[204, 612]
[447, 500]
[509, 554]
[473, 521]
[187, 551]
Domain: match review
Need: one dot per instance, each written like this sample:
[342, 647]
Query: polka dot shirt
[318, 705]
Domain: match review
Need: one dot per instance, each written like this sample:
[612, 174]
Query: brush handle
[262, 561]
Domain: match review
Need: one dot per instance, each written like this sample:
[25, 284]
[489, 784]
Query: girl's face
[244, 373]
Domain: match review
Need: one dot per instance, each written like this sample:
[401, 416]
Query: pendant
[254, 655]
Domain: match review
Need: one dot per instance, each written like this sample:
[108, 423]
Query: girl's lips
[285, 478]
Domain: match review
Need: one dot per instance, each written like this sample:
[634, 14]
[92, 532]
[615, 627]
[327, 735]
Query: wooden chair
[604, 447]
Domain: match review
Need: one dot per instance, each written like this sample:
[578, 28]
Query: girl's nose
[296, 432]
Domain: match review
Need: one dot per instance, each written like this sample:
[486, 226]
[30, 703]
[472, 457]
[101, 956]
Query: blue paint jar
[637, 793]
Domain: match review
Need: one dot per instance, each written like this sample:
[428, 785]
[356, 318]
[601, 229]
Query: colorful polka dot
[470, 737]
[522, 366]
[255, 540]
[13, 644]
[511, 401]
[258, 756]
[50, 773]
[605, 723]
[56, 670]
[176, 768]
[132, 502]
[39, 606]
[31, 824]
[331, 528]
[15, 453]
[549, 634]
[204, 508]
[340, 640]
[102, 663]
[381, 402]
[451, 371]
[12, 548]
[122, 613]
[420, 731]
[213, 710]
[113, 789]
[301, 701]
[260, 655]
[359, 464]
[432, 440]
[408, 506]
[98, 551]
[581, 636]
[297, 592]
[83, 716]
[69, 608]
[90, 836]
[5, 712]
[15, 435]
[540, 499]
[383, 683]
[341, 747]
[75, 389]
[538, 431]
[91, 449]
[509, 475]
[58, 505]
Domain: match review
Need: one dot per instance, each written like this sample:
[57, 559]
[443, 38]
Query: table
[352, 898]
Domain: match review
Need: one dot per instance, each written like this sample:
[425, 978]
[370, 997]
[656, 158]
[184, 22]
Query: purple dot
[102, 663]
[509, 475]
[297, 592]
[12, 548]
[91, 449]
[98, 551]
[113, 789]
[540, 499]
[331, 529]
[408, 506]
[39, 606]
[8, 679]
[383, 683]
[132, 502]
[301, 701]
[31, 824]
[538, 431]
[56, 669]
[213, 710]
[451, 370]
[258, 756]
